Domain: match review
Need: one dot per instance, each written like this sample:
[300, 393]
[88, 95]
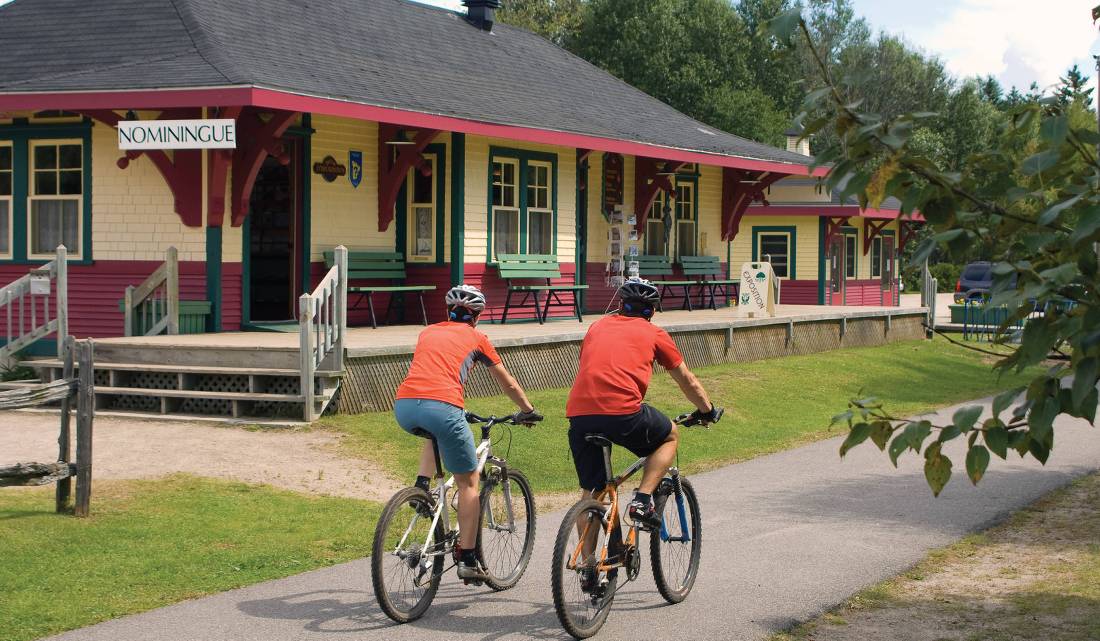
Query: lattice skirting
[370, 382]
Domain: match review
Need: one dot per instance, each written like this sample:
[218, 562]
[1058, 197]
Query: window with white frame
[876, 258]
[56, 197]
[685, 219]
[776, 247]
[422, 213]
[850, 256]
[655, 228]
[505, 182]
[6, 180]
[540, 212]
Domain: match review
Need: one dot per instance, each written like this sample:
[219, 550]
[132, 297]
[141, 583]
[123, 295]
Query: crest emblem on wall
[355, 162]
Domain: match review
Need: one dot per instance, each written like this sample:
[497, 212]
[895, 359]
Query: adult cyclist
[431, 399]
[616, 365]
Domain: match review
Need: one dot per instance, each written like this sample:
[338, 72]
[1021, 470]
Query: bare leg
[427, 461]
[659, 462]
[469, 509]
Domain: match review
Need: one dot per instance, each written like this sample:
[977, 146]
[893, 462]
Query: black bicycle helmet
[640, 297]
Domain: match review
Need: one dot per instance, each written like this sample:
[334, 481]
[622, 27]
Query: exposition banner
[756, 299]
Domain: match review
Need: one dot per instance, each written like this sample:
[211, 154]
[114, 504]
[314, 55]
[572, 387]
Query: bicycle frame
[442, 514]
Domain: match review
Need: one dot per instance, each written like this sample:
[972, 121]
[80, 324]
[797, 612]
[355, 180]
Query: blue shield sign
[355, 164]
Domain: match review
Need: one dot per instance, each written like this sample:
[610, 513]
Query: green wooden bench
[541, 267]
[658, 270]
[709, 276]
[369, 267]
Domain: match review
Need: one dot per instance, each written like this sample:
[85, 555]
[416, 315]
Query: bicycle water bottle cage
[598, 439]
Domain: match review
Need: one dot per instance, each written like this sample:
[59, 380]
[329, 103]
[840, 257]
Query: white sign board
[756, 298]
[218, 133]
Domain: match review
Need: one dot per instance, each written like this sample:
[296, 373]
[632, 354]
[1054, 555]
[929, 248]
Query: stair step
[182, 369]
[211, 395]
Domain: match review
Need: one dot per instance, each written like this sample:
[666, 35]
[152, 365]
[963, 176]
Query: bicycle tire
[563, 580]
[498, 579]
[675, 590]
[398, 511]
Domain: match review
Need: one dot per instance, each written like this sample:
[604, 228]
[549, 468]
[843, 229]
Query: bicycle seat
[598, 439]
[422, 433]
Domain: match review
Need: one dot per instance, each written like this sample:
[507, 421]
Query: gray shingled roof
[387, 53]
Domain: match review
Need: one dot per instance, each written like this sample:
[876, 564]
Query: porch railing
[153, 307]
[322, 323]
[25, 306]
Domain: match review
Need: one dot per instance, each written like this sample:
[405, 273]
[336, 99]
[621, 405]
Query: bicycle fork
[672, 485]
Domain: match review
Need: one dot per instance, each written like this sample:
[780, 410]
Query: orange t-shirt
[616, 365]
[445, 354]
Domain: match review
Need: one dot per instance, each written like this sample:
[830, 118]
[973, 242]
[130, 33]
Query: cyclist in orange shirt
[616, 365]
[431, 399]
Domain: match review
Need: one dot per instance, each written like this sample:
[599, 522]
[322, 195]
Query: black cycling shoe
[644, 515]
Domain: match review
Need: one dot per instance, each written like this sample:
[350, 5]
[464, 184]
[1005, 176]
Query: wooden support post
[342, 306]
[128, 310]
[64, 440]
[305, 327]
[172, 290]
[61, 286]
[85, 414]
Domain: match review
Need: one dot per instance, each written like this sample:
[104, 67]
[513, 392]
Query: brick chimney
[481, 13]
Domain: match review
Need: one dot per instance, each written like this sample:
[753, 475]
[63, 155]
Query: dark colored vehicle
[975, 281]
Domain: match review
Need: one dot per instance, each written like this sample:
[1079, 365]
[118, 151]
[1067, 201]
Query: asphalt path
[785, 536]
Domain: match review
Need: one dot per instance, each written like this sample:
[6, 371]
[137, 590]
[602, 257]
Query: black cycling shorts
[641, 433]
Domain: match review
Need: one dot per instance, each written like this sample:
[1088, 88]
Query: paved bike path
[785, 537]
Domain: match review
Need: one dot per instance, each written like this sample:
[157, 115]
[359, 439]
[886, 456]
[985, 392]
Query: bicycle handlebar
[691, 420]
[489, 421]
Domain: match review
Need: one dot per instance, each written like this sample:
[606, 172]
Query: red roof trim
[270, 98]
[833, 211]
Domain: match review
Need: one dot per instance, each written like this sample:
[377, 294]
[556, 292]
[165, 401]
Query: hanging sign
[329, 169]
[756, 298]
[218, 133]
[355, 161]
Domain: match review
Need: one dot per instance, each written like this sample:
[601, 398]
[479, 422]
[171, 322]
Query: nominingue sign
[220, 133]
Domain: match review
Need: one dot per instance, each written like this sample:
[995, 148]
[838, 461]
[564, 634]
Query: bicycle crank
[633, 562]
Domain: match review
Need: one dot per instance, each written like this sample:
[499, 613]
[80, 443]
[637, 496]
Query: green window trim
[401, 244]
[792, 259]
[662, 197]
[20, 134]
[523, 157]
[850, 232]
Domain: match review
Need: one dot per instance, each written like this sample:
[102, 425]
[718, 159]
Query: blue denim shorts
[447, 424]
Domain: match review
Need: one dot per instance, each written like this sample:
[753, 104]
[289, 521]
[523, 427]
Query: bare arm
[691, 387]
[510, 387]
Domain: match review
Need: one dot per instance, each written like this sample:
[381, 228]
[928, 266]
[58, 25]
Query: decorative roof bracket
[739, 190]
[872, 229]
[647, 184]
[393, 169]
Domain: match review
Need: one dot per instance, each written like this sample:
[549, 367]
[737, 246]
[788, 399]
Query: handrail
[31, 294]
[322, 324]
[156, 301]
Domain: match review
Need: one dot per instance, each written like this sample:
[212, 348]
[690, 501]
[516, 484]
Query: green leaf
[1054, 129]
[948, 433]
[1040, 162]
[977, 460]
[880, 433]
[1053, 212]
[858, 434]
[1084, 380]
[783, 25]
[843, 417]
[897, 446]
[937, 471]
[1003, 400]
[997, 440]
[1039, 450]
[1041, 418]
[965, 417]
[916, 432]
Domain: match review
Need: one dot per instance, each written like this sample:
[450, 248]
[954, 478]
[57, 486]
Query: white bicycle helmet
[466, 296]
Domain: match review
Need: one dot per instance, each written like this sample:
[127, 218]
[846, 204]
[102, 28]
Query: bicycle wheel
[507, 533]
[405, 574]
[582, 594]
[675, 548]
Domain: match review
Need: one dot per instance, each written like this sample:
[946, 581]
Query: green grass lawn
[770, 406]
[151, 543]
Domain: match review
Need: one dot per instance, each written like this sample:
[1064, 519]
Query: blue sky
[1017, 41]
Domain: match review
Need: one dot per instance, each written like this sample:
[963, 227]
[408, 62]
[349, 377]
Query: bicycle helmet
[640, 297]
[466, 296]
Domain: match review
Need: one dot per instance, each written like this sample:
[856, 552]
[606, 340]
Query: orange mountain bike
[590, 549]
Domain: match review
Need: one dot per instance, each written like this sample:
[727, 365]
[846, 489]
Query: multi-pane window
[685, 219]
[776, 247]
[655, 228]
[57, 185]
[6, 179]
[849, 255]
[505, 181]
[540, 213]
[876, 258]
[422, 212]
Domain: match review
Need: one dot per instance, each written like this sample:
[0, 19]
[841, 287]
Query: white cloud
[1016, 40]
